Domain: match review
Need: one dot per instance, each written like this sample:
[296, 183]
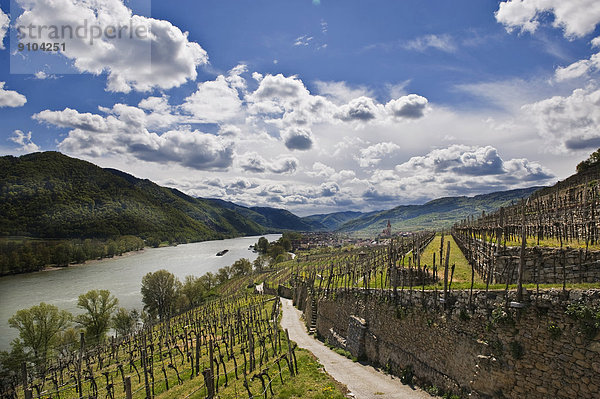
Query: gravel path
[364, 382]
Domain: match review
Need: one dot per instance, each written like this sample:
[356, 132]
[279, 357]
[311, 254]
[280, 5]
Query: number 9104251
[45, 46]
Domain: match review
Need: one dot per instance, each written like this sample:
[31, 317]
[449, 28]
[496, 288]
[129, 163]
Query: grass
[311, 382]
[462, 270]
[548, 242]
[501, 287]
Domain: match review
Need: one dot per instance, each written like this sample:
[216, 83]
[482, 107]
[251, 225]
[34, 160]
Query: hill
[50, 195]
[331, 221]
[273, 219]
[438, 214]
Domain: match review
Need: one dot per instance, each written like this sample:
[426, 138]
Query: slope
[437, 214]
[273, 219]
[51, 195]
[331, 221]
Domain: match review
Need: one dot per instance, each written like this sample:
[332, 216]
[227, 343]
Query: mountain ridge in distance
[51, 195]
[440, 213]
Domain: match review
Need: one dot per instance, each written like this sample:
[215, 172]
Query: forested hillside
[50, 195]
[273, 219]
[57, 210]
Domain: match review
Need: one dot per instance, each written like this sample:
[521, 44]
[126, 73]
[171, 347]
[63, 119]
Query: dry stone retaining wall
[487, 350]
[542, 265]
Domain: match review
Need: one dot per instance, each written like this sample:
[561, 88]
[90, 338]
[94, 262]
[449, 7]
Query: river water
[122, 276]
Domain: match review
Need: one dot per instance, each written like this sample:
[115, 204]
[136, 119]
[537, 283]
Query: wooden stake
[447, 261]
[522, 256]
[287, 337]
[128, 394]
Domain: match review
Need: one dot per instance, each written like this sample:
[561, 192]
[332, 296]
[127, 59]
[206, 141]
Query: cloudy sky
[313, 106]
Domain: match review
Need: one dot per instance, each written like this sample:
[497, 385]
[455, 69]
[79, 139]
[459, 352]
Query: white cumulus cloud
[214, 101]
[158, 55]
[411, 106]
[4, 23]
[568, 123]
[576, 17]
[24, 141]
[298, 138]
[373, 154]
[361, 109]
[124, 130]
[454, 170]
[11, 98]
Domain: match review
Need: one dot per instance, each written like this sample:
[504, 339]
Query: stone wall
[269, 290]
[542, 265]
[488, 349]
[300, 297]
[285, 292]
[549, 265]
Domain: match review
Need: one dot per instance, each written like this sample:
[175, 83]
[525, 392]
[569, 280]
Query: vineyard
[234, 347]
[563, 215]
[230, 347]
[552, 237]
[382, 266]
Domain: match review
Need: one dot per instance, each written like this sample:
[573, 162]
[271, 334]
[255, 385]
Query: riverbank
[121, 275]
[51, 268]
[70, 246]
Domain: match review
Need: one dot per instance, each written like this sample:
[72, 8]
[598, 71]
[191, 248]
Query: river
[122, 276]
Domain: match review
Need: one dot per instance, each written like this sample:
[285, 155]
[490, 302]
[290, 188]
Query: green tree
[223, 274]
[193, 289]
[99, 306]
[68, 341]
[285, 243]
[276, 250]
[260, 263]
[124, 321]
[159, 293]
[39, 328]
[594, 159]
[208, 281]
[262, 245]
[153, 242]
[241, 267]
[62, 254]
[281, 258]
[10, 362]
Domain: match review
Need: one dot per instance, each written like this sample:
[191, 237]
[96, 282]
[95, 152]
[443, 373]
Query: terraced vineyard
[398, 263]
[231, 348]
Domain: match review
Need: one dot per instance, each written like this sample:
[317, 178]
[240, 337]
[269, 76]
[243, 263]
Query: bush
[594, 159]
[587, 316]
[502, 317]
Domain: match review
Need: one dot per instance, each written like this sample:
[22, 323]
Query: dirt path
[364, 382]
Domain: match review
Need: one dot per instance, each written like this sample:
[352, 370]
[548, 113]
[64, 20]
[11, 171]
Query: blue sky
[315, 107]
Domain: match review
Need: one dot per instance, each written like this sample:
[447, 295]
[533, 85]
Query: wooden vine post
[447, 261]
[79, 363]
[145, 367]
[290, 364]
[522, 256]
[128, 394]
